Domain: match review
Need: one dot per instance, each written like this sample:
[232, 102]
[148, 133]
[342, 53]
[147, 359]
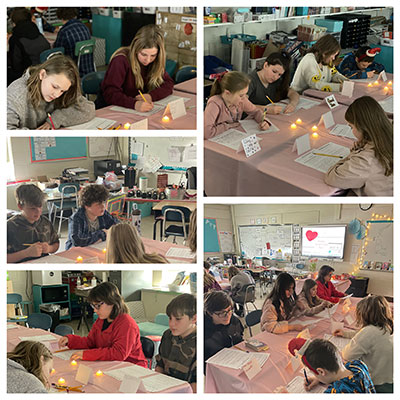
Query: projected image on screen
[323, 241]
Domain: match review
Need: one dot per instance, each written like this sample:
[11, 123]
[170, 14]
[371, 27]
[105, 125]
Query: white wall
[241, 214]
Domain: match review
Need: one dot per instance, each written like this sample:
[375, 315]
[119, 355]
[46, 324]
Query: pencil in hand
[51, 121]
[144, 98]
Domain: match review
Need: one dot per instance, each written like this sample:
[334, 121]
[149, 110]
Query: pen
[144, 98]
[327, 155]
[305, 375]
[51, 120]
[269, 99]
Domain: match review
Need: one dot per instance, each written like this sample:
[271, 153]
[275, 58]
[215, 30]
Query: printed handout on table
[231, 138]
[251, 126]
[95, 123]
[154, 110]
[343, 130]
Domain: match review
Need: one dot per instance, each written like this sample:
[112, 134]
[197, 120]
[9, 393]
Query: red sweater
[119, 342]
[328, 293]
[119, 85]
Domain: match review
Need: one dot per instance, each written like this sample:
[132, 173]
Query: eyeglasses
[223, 314]
[97, 306]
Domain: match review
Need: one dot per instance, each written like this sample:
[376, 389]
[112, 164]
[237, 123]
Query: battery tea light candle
[293, 126]
[165, 118]
[74, 363]
[127, 125]
[314, 135]
[314, 128]
[99, 373]
[298, 121]
[61, 381]
[79, 259]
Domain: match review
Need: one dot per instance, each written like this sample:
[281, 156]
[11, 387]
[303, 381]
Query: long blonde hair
[192, 237]
[29, 355]
[233, 81]
[124, 246]
[53, 66]
[147, 37]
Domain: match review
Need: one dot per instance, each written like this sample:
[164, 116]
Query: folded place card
[295, 362]
[130, 384]
[176, 108]
[331, 101]
[302, 144]
[251, 368]
[250, 145]
[304, 334]
[142, 125]
[347, 89]
[84, 374]
[328, 119]
[383, 76]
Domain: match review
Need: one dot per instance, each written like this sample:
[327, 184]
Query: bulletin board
[211, 240]
[253, 239]
[380, 242]
[57, 148]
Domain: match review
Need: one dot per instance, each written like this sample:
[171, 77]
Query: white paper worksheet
[303, 103]
[251, 126]
[64, 355]
[323, 163]
[343, 130]
[328, 312]
[231, 138]
[95, 123]
[296, 385]
[306, 322]
[155, 109]
[387, 104]
[235, 359]
[132, 370]
[159, 382]
[339, 342]
[39, 338]
[179, 252]
[164, 102]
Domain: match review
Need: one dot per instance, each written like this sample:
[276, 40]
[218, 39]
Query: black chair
[148, 349]
[179, 215]
[63, 330]
[246, 295]
[191, 176]
[253, 318]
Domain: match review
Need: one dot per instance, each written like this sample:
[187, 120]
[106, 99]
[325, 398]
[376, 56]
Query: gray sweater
[22, 115]
[19, 380]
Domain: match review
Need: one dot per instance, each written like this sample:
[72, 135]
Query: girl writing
[368, 169]
[48, 96]
[136, 75]
[308, 302]
[227, 103]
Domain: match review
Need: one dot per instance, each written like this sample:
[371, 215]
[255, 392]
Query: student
[316, 69]
[28, 368]
[325, 288]
[271, 83]
[139, 67]
[373, 343]
[124, 246]
[177, 352]
[360, 64]
[227, 102]
[280, 306]
[72, 32]
[368, 169]
[30, 234]
[48, 94]
[114, 336]
[239, 280]
[209, 282]
[192, 236]
[25, 44]
[308, 302]
[90, 223]
[323, 359]
[221, 328]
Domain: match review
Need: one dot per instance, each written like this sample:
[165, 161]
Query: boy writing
[90, 223]
[30, 235]
[177, 353]
[324, 360]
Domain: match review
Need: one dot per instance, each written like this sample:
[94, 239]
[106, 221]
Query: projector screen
[323, 241]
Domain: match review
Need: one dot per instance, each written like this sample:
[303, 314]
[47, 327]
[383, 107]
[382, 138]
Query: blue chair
[179, 215]
[69, 201]
[253, 318]
[63, 330]
[16, 299]
[91, 82]
[185, 73]
[170, 67]
[40, 321]
[156, 328]
[45, 55]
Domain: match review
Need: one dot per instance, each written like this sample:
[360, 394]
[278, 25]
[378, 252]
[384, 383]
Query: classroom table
[63, 368]
[95, 254]
[277, 371]
[189, 86]
[187, 121]
[273, 170]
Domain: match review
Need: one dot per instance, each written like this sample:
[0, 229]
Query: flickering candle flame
[370, 84]
[390, 83]
[386, 89]
[165, 118]
[79, 259]
[53, 371]
[61, 381]
[104, 250]
[293, 126]
[99, 373]
[127, 125]
[315, 135]
[298, 121]
[376, 83]
[314, 128]
[74, 363]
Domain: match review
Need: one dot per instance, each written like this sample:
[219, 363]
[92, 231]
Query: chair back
[161, 319]
[250, 293]
[84, 47]
[66, 190]
[147, 347]
[253, 318]
[191, 176]
[63, 330]
[14, 298]
[176, 214]
[91, 82]
[185, 73]
[45, 55]
[170, 67]
[40, 321]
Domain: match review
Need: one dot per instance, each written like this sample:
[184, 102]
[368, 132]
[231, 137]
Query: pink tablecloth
[95, 254]
[272, 171]
[188, 121]
[63, 368]
[189, 86]
[277, 371]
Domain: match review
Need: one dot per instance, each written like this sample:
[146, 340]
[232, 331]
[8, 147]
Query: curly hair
[93, 194]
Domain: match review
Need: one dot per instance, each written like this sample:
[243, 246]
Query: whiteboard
[160, 147]
[253, 240]
[380, 241]
[101, 146]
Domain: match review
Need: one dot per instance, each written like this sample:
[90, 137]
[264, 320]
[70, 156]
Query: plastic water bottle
[94, 282]
[78, 281]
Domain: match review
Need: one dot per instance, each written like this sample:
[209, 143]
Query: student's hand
[313, 382]
[274, 109]
[295, 327]
[45, 126]
[281, 389]
[77, 355]
[370, 74]
[105, 231]
[34, 250]
[232, 125]
[142, 106]
[329, 304]
[338, 332]
[45, 247]
[264, 125]
[62, 342]
[289, 108]
[146, 96]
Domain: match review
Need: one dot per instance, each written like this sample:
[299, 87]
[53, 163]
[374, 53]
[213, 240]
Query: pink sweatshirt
[218, 119]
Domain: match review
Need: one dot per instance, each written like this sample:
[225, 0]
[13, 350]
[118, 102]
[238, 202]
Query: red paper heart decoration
[310, 235]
